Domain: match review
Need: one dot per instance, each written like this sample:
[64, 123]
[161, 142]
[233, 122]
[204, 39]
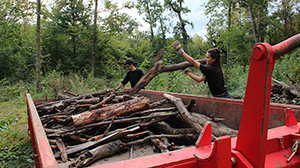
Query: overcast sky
[196, 16]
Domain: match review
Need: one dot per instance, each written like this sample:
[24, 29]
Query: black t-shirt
[214, 79]
[133, 77]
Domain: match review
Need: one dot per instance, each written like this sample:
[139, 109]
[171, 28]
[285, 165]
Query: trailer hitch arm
[286, 46]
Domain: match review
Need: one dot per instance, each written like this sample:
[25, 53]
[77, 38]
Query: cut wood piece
[186, 116]
[61, 104]
[62, 97]
[163, 127]
[109, 138]
[118, 109]
[62, 149]
[98, 105]
[146, 139]
[70, 93]
[99, 152]
[218, 129]
[88, 101]
[158, 67]
[77, 130]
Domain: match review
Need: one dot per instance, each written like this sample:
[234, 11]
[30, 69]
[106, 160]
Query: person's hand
[177, 46]
[187, 70]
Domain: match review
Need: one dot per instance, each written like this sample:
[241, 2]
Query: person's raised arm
[177, 46]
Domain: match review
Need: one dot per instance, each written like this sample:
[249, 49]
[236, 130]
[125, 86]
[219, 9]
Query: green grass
[15, 143]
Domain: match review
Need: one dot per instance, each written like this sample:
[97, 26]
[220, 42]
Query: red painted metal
[253, 131]
[255, 146]
[43, 155]
[290, 118]
[204, 138]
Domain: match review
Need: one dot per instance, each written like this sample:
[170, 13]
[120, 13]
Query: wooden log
[78, 138]
[109, 138]
[157, 68]
[62, 97]
[155, 119]
[123, 108]
[218, 129]
[70, 93]
[186, 116]
[97, 153]
[137, 135]
[146, 139]
[61, 104]
[88, 101]
[64, 133]
[62, 149]
[163, 127]
[111, 96]
[146, 112]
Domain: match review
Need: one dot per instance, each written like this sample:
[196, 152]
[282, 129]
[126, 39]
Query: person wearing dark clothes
[212, 74]
[133, 75]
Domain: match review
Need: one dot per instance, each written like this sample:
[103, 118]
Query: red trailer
[268, 133]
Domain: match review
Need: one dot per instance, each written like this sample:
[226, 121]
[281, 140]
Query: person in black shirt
[133, 75]
[212, 74]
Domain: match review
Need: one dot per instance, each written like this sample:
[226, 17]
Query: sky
[196, 16]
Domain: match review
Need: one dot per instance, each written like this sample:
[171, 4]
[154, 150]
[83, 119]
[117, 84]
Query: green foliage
[236, 78]
[178, 82]
[6, 121]
[287, 65]
[16, 150]
[9, 91]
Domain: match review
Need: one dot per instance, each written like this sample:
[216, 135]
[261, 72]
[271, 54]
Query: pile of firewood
[282, 92]
[83, 129]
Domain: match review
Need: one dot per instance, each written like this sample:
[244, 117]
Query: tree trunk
[38, 48]
[253, 24]
[94, 38]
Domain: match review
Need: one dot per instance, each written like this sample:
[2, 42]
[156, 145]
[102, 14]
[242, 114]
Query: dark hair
[129, 62]
[216, 54]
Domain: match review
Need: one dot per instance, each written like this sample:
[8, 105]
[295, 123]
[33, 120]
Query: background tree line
[73, 47]
[75, 38]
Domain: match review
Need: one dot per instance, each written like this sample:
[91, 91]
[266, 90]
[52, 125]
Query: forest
[74, 39]
[47, 47]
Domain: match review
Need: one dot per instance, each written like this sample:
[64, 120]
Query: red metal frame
[43, 155]
[255, 145]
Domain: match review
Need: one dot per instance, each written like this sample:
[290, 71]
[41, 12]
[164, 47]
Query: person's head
[213, 57]
[129, 64]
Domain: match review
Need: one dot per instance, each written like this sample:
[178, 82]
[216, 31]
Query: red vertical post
[252, 135]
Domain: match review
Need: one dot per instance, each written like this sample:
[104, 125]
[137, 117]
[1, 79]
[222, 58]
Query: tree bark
[62, 149]
[38, 47]
[186, 116]
[100, 152]
[112, 137]
[123, 108]
[94, 38]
